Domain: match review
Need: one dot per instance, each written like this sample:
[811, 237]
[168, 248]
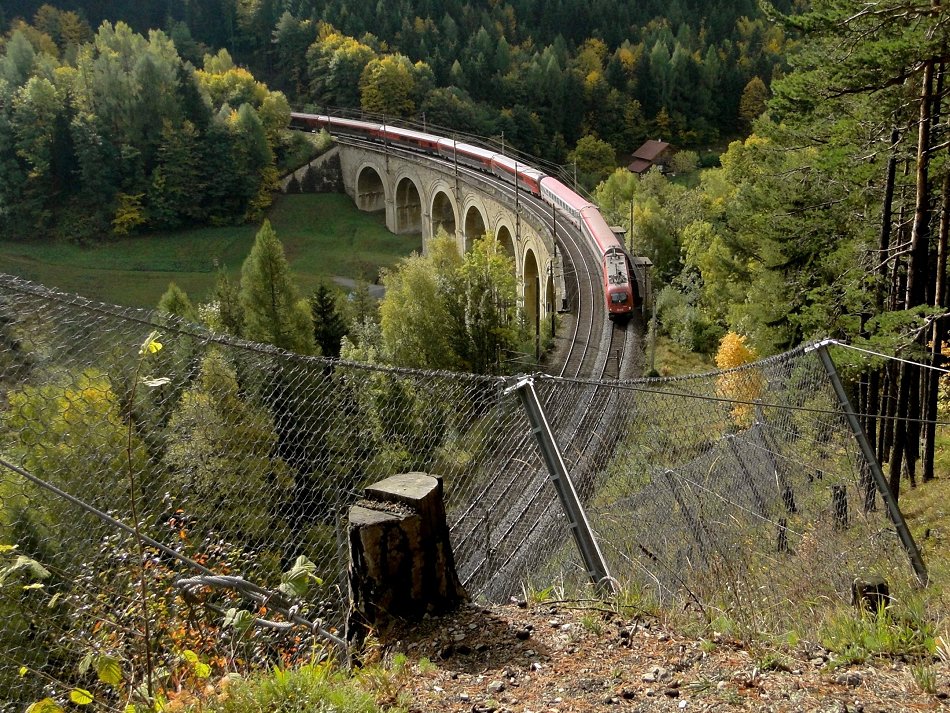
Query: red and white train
[619, 291]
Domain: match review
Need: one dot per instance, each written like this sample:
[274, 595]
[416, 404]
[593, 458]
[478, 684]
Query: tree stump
[401, 561]
[870, 593]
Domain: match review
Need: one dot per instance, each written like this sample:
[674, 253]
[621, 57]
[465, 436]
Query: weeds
[316, 687]
[532, 595]
[593, 624]
[857, 637]
[926, 678]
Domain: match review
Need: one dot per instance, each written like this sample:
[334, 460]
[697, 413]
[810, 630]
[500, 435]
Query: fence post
[576, 518]
[907, 540]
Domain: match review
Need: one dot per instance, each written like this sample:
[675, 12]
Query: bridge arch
[408, 207]
[475, 226]
[532, 291]
[443, 214]
[507, 241]
[370, 190]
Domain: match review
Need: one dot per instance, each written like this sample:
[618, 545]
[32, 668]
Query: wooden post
[839, 505]
[401, 561]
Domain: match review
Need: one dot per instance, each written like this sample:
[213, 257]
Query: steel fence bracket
[907, 540]
[576, 517]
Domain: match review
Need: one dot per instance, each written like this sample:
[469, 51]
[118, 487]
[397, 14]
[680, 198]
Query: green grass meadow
[324, 235]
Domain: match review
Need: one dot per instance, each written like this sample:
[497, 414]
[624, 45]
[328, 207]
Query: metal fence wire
[737, 492]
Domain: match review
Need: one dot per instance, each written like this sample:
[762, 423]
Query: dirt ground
[571, 656]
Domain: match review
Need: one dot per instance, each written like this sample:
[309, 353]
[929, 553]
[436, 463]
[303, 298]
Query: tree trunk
[876, 405]
[907, 432]
[937, 335]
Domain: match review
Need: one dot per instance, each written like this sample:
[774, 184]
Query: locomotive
[619, 294]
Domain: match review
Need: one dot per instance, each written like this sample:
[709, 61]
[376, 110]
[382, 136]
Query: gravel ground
[560, 657]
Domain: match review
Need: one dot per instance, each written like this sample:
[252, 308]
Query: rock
[850, 678]
[522, 634]
[656, 674]
[463, 697]
[628, 694]
[496, 687]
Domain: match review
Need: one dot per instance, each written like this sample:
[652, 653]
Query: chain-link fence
[236, 459]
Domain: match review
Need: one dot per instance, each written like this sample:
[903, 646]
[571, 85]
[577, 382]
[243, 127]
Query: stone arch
[475, 226]
[408, 207]
[532, 291]
[443, 214]
[370, 190]
[505, 239]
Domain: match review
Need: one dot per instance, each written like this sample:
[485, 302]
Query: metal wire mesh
[743, 493]
[240, 458]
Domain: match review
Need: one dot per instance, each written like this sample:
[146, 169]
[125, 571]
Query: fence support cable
[576, 517]
[247, 588]
[907, 540]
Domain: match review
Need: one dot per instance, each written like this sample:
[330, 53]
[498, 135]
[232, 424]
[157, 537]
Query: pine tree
[273, 311]
[175, 302]
[329, 327]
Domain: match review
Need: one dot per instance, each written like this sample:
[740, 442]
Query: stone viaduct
[420, 195]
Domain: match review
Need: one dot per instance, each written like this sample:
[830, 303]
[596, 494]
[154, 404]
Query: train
[620, 295]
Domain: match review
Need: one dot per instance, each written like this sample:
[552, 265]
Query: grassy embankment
[323, 235]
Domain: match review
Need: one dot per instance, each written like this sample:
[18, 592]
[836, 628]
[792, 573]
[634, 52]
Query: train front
[617, 288]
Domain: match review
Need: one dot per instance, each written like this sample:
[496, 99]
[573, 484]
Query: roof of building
[651, 149]
[644, 157]
[639, 165]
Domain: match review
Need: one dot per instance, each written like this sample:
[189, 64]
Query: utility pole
[630, 233]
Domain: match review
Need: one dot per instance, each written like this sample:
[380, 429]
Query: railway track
[513, 520]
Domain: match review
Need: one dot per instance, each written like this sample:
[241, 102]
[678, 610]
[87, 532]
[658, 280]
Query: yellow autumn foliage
[742, 385]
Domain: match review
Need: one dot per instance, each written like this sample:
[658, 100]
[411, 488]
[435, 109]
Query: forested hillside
[830, 219]
[543, 74]
[110, 132]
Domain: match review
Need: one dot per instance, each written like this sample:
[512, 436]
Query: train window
[618, 297]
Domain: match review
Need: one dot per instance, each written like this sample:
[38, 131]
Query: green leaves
[198, 667]
[238, 619]
[80, 696]
[109, 670]
[297, 580]
[27, 566]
